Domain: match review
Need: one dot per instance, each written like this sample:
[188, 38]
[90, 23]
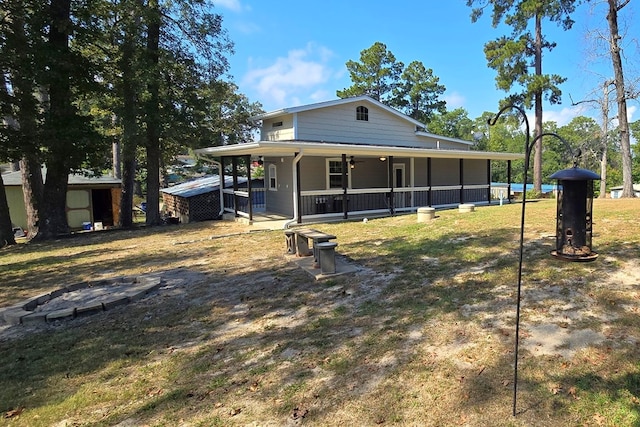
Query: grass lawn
[421, 335]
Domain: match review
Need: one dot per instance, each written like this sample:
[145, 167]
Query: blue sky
[293, 52]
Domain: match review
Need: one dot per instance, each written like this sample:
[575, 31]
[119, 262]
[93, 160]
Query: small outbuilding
[199, 200]
[91, 200]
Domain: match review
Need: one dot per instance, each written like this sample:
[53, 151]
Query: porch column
[345, 184]
[489, 181]
[429, 181]
[392, 208]
[222, 182]
[298, 196]
[234, 174]
[509, 180]
[461, 180]
[248, 159]
[412, 165]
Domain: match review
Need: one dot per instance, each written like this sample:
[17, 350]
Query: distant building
[90, 200]
[199, 200]
[616, 192]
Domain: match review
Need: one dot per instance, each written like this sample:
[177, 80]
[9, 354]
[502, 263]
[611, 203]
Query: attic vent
[362, 113]
[276, 124]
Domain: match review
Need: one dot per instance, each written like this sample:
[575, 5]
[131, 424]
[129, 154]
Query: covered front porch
[323, 181]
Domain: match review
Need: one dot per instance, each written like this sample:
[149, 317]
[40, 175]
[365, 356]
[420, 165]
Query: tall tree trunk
[537, 157]
[605, 140]
[26, 124]
[621, 99]
[53, 222]
[153, 117]
[129, 127]
[6, 229]
[33, 193]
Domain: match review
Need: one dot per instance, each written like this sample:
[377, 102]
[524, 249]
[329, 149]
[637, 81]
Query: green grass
[422, 335]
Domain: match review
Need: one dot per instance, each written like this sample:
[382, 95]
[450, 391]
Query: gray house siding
[445, 172]
[339, 124]
[279, 200]
[475, 172]
[272, 130]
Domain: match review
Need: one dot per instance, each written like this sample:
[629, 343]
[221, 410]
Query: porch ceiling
[328, 149]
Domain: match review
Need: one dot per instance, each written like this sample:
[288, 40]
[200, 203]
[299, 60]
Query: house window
[362, 113]
[334, 174]
[273, 178]
[276, 124]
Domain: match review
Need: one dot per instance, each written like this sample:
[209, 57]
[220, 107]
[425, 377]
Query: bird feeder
[574, 218]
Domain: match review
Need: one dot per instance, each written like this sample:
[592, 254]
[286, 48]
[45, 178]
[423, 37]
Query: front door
[402, 198]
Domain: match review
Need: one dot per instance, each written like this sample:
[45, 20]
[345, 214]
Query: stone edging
[25, 312]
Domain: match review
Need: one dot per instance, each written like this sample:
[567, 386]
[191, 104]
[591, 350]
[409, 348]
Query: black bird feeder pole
[573, 221]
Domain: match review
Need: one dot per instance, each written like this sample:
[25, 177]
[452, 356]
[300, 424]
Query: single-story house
[616, 192]
[199, 199]
[356, 156]
[90, 200]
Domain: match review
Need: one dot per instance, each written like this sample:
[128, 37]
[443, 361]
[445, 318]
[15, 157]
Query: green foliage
[418, 93]
[376, 75]
[455, 124]
[414, 90]
[513, 56]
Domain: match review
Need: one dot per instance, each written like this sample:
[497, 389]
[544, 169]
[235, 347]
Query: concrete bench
[327, 257]
[302, 242]
[290, 241]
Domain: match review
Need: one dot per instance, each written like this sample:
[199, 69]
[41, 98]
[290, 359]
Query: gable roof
[353, 100]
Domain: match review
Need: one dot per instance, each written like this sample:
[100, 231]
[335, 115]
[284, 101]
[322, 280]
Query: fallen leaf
[600, 420]
[13, 413]
[573, 392]
[299, 413]
[235, 411]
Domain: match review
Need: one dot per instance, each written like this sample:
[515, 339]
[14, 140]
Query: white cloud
[631, 110]
[562, 116]
[292, 77]
[454, 100]
[233, 5]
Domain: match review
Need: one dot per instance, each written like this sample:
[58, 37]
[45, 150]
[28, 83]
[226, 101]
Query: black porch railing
[360, 201]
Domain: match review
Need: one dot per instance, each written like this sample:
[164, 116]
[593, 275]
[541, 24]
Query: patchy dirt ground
[239, 335]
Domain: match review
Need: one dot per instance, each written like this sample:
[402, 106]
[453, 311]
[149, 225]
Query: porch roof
[329, 149]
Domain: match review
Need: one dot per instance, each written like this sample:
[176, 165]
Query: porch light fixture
[352, 163]
[383, 158]
[261, 160]
[573, 221]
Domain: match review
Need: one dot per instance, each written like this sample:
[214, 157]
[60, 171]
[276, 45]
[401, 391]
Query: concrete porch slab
[306, 263]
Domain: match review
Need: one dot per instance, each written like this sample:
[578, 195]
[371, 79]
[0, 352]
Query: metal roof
[314, 148]
[15, 178]
[200, 186]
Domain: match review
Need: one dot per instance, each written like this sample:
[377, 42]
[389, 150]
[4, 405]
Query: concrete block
[65, 313]
[114, 302]
[466, 207]
[38, 317]
[426, 214]
[91, 308]
[13, 315]
[76, 286]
